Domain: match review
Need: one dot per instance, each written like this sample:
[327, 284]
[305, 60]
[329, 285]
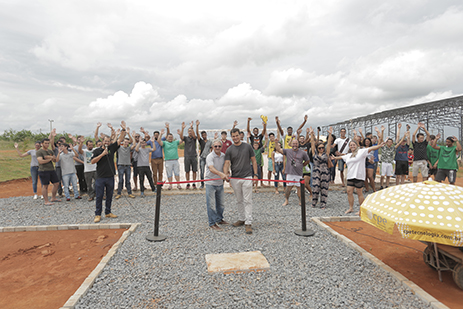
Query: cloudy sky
[80, 62]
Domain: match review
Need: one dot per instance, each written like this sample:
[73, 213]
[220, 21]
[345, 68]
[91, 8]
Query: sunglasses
[321, 147]
[218, 146]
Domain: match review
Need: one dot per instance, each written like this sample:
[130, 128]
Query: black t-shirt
[105, 167]
[239, 157]
[420, 151]
[257, 138]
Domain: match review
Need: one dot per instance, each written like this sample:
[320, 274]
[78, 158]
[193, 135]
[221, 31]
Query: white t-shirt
[88, 166]
[356, 165]
[340, 142]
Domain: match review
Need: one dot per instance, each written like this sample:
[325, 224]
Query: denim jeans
[100, 185]
[35, 176]
[124, 171]
[215, 193]
[70, 178]
[202, 167]
[278, 171]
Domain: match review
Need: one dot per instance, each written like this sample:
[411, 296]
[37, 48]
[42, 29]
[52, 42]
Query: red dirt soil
[43, 269]
[404, 256]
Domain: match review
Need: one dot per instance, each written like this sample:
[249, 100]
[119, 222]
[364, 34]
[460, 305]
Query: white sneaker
[35, 196]
[41, 197]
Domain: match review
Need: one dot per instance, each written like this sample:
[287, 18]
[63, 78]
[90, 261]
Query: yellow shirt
[271, 148]
[287, 139]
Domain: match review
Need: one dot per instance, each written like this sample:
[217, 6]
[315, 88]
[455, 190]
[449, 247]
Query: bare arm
[123, 131]
[434, 142]
[180, 132]
[403, 138]
[280, 130]
[197, 128]
[248, 127]
[52, 139]
[21, 155]
[98, 125]
[167, 128]
[303, 123]
[312, 141]
[130, 136]
[160, 138]
[98, 158]
[398, 134]
[330, 140]
[217, 172]
[264, 130]
[254, 166]
[373, 148]
[226, 168]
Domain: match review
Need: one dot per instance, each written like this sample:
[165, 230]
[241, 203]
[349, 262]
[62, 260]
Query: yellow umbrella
[427, 211]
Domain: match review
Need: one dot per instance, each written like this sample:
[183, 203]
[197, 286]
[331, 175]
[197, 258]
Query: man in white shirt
[343, 147]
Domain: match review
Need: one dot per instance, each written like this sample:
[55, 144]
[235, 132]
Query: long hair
[354, 153]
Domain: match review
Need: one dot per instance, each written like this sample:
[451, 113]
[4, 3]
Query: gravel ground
[312, 272]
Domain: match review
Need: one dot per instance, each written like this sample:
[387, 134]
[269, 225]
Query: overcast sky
[148, 62]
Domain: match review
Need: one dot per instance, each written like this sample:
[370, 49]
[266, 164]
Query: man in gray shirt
[214, 188]
[124, 165]
[238, 156]
[190, 156]
[205, 147]
[143, 164]
[68, 170]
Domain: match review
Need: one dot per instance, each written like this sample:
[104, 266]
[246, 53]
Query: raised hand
[299, 132]
[183, 125]
[377, 130]
[383, 128]
[118, 131]
[179, 132]
[70, 135]
[306, 117]
[399, 125]
[407, 134]
[197, 122]
[53, 132]
[454, 138]
[167, 125]
[16, 145]
[162, 131]
[128, 130]
[277, 120]
[109, 125]
[123, 125]
[216, 135]
[354, 133]
[438, 136]
[191, 125]
[98, 124]
[360, 130]
[408, 127]
[142, 130]
[330, 130]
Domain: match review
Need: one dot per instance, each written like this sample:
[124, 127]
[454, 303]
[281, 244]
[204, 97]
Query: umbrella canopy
[427, 211]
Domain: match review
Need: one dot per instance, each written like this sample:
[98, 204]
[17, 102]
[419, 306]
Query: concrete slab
[237, 262]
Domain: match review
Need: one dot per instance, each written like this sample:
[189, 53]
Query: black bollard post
[156, 236]
[303, 231]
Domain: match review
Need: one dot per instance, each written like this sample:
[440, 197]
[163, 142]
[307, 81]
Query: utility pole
[51, 124]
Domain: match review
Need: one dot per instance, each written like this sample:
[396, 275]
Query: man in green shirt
[171, 156]
[433, 157]
[447, 165]
[47, 173]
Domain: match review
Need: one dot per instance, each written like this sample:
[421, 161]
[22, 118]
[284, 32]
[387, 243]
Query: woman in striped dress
[320, 173]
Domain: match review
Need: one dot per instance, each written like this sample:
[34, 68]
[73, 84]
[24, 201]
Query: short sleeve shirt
[433, 154]
[257, 138]
[190, 146]
[356, 165]
[88, 166]
[123, 155]
[447, 158]
[401, 153]
[340, 143]
[143, 156]
[105, 167]
[240, 156]
[225, 144]
[41, 153]
[33, 154]
[294, 161]
[420, 151]
[387, 154]
[213, 159]
[170, 150]
[67, 163]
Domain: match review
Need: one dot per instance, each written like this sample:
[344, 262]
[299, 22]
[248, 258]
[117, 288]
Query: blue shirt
[158, 152]
[401, 153]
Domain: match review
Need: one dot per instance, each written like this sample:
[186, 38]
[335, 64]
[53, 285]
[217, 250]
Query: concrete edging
[88, 282]
[415, 289]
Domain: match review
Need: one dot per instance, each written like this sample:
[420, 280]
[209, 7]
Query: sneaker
[41, 197]
[194, 186]
[188, 186]
[35, 196]
[201, 186]
[79, 197]
[118, 197]
[180, 187]
[238, 223]
[68, 199]
[142, 195]
[97, 219]
[110, 215]
[381, 188]
[215, 227]
[131, 196]
[248, 228]
[223, 222]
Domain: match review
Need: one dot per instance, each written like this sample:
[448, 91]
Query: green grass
[11, 165]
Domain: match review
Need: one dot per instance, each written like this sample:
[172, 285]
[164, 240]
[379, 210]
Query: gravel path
[313, 272]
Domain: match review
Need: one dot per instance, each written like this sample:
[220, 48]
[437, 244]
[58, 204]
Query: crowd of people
[89, 166]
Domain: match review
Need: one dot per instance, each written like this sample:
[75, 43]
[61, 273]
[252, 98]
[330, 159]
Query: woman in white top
[34, 164]
[277, 164]
[355, 161]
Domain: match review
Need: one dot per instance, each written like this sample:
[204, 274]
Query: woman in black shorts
[356, 173]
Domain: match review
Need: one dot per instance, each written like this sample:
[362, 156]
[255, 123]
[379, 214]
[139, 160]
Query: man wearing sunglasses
[214, 188]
